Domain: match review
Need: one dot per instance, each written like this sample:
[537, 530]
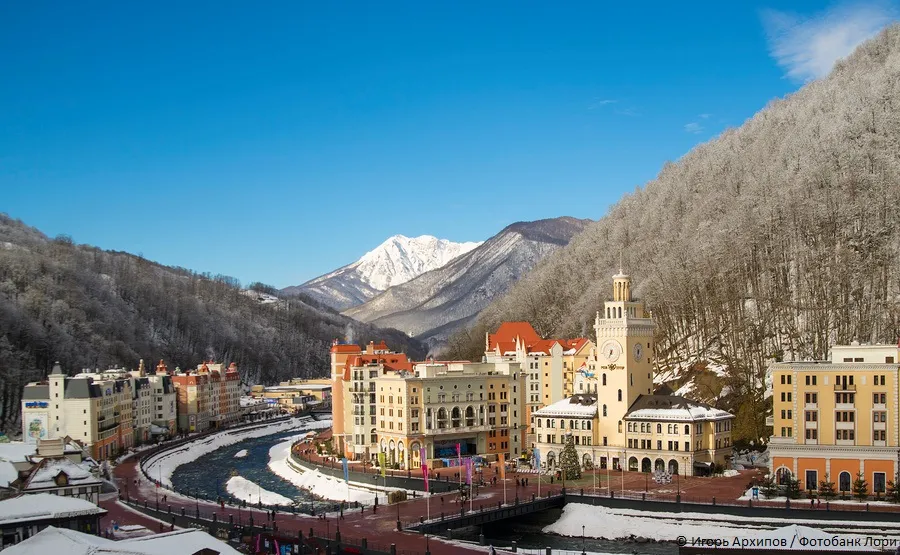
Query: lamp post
[583, 552]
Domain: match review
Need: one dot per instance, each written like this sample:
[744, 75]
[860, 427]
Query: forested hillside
[90, 308]
[774, 240]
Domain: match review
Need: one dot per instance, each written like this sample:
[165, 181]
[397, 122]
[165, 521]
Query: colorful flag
[425, 475]
[382, 463]
[537, 458]
[422, 456]
[458, 455]
[346, 470]
[502, 461]
[469, 464]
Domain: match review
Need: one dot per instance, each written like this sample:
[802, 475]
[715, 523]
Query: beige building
[439, 405]
[91, 408]
[668, 433]
[837, 418]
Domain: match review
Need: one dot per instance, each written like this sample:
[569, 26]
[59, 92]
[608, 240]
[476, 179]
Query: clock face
[638, 352]
[611, 350]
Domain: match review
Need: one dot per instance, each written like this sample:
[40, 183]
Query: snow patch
[241, 454]
[326, 487]
[251, 492]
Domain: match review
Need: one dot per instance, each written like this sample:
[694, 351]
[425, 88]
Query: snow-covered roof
[672, 408]
[582, 406]
[309, 386]
[45, 473]
[53, 540]
[43, 506]
[16, 451]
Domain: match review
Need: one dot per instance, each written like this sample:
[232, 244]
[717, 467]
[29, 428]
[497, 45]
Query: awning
[702, 464]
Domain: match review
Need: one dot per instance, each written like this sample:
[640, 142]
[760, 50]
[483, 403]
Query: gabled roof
[509, 331]
[44, 474]
[673, 408]
[344, 348]
[581, 406]
[70, 542]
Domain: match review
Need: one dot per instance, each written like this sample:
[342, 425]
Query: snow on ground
[750, 459]
[685, 390]
[316, 483]
[163, 465]
[610, 523]
[731, 473]
[241, 454]
[251, 492]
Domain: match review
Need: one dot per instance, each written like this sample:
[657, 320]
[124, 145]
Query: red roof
[343, 348]
[390, 361]
[509, 331]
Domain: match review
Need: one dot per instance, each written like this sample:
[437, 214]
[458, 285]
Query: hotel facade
[836, 418]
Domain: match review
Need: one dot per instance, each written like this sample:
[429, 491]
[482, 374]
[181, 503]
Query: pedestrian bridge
[482, 514]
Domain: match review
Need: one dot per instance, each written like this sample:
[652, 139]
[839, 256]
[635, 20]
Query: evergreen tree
[893, 489]
[568, 461]
[769, 488]
[826, 489]
[792, 488]
[860, 487]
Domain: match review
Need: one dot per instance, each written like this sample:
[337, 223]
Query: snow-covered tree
[568, 460]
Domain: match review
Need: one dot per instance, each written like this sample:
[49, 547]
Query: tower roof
[57, 369]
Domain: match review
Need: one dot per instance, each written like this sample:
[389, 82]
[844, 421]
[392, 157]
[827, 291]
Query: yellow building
[439, 405]
[837, 418]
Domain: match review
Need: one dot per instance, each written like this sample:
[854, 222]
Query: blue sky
[277, 141]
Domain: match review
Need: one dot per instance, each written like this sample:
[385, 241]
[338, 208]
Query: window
[812, 434]
[620, 395]
[844, 481]
[812, 480]
[687, 430]
[604, 410]
[878, 482]
[659, 445]
[659, 428]
[604, 379]
[811, 416]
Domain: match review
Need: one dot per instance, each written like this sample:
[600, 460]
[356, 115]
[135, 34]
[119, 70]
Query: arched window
[668, 428]
[687, 430]
[844, 481]
[620, 395]
[604, 379]
[455, 417]
[442, 418]
[470, 416]
[659, 428]
[604, 410]
[548, 423]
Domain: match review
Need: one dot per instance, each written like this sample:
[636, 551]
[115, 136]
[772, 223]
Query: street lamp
[583, 552]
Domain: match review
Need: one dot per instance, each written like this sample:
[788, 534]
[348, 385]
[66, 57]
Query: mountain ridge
[434, 304]
[396, 260]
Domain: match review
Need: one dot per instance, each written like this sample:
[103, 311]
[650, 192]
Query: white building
[60, 540]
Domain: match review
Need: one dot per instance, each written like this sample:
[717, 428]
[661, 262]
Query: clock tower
[623, 359]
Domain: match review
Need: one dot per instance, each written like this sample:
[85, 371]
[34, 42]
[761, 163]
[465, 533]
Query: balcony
[879, 425]
[812, 425]
[811, 406]
[457, 430]
[845, 425]
[844, 387]
[845, 406]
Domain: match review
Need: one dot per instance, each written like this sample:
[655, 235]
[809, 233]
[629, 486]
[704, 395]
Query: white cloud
[807, 47]
[693, 127]
[704, 116]
[597, 103]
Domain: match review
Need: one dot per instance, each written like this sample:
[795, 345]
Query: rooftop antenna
[621, 265]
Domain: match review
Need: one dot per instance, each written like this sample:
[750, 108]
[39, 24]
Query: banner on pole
[469, 464]
[458, 455]
[425, 476]
[382, 463]
[346, 470]
[502, 461]
[537, 458]
[422, 456]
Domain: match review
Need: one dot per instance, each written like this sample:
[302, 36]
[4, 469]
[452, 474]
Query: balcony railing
[844, 387]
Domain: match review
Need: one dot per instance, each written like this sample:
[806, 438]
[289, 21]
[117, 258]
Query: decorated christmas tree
[568, 461]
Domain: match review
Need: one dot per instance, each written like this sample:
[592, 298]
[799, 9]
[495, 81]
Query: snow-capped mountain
[395, 261]
[436, 303]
